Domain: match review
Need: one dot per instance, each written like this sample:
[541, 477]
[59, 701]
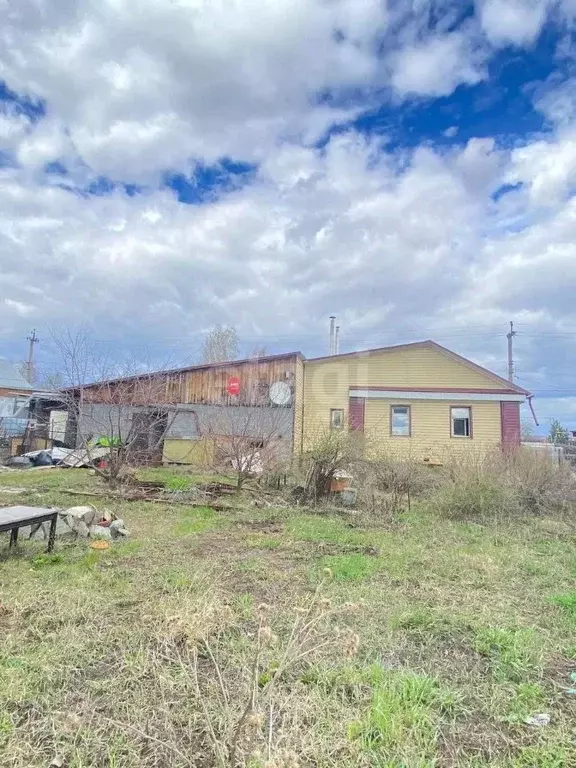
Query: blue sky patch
[209, 181]
[32, 108]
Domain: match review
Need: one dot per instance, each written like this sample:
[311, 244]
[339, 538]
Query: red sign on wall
[233, 386]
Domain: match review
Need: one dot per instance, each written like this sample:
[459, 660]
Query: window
[336, 418]
[20, 401]
[400, 421]
[461, 422]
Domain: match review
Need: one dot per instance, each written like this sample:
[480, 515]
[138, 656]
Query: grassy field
[333, 640]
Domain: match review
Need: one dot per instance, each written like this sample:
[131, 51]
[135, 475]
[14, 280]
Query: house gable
[422, 365]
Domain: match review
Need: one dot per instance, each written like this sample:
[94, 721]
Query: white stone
[85, 513]
[100, 532]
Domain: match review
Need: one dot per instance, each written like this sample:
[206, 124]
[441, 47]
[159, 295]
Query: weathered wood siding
[203, 385]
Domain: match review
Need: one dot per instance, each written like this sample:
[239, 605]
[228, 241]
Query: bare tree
[221, 344]
[119, 421]
[258, 351]
[331, 451]
[24, 370]
[249, 439]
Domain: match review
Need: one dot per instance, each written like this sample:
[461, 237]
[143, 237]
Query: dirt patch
[329, 548]
[478, 739]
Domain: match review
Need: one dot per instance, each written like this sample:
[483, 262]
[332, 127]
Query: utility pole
[33, 339]
[510, 335]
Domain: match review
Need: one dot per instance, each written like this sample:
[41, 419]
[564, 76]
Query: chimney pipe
[332, 322]
[337, 341]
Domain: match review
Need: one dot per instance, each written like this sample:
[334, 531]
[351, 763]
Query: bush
[390, 483]
[333, 450]
[499, 485]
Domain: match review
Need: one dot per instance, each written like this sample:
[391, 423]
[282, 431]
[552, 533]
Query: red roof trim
[465, 390]
[428, 344]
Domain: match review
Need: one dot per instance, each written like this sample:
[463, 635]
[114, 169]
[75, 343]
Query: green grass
[197, 520]
[321, 529]
[402, 724]
[347, 567]
[567, 602]
[464, 630]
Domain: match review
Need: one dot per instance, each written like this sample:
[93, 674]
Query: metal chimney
[332, 334]
[337, 341]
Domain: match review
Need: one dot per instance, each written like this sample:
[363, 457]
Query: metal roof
[11, 378]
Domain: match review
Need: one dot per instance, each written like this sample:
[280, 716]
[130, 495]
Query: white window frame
[334, 411]
[461, 418]
[409, 412]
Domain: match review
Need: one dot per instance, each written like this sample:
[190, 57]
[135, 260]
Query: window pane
[337, 418]
[461, 422]
[401, 420]
[460, 428]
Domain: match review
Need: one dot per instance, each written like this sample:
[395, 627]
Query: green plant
[514, 653]
[526, 699]
[354, 567]
[41, 561]
[567, 602]
[558, 434]
[178, 483]
[402, 724]
[474, 497]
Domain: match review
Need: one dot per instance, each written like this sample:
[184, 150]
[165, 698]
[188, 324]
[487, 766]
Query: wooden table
[14, 518]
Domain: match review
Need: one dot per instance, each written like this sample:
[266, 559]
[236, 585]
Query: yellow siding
[430, 427]
[200, 453]
[327, 383]
[298, 404]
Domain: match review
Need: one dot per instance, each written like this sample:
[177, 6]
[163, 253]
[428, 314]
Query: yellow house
[418, 398]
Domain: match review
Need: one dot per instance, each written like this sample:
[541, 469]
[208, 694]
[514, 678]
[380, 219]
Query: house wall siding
[430, 427]
[327, 383]
[298, 405]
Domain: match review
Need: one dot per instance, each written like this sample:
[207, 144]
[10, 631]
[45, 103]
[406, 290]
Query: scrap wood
[121, 497]
[217, 487]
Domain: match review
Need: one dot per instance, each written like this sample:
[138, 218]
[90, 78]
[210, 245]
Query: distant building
[15, 393]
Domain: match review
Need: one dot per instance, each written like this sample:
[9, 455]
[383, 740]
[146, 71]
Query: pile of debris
[58, 457]
[84, 522]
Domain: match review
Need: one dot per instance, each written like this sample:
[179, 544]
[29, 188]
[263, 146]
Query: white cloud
[546, 167]
[436, 66]
[513, 21]
[13, 126]
[145, 85]
[389, 240]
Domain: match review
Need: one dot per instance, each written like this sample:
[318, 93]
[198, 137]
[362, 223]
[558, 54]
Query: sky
[407, 165]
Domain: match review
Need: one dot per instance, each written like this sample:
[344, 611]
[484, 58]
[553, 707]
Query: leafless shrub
[243, 709]
[543, 485]
[126, 412]
[389, 483]
[497, 485]
[332, 451]
[248, 439]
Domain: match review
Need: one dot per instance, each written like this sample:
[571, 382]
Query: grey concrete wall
[192, 421]
[100, 420]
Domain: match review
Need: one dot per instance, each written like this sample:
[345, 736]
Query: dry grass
[148, 654]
